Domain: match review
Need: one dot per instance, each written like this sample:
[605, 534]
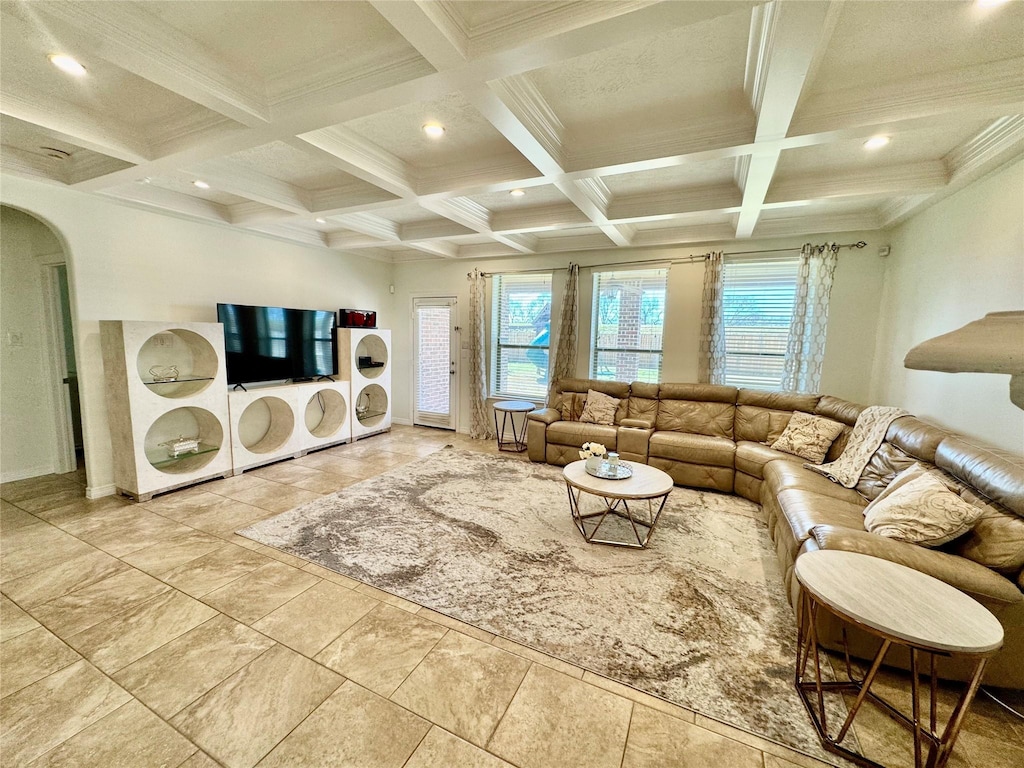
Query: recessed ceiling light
[876, 142]
[321, 221]
[67, 64]
[201, 184]
[433, 130]
[517, 192]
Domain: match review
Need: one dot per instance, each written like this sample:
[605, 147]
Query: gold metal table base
[931, 749]
[518, 442]
[639, 522]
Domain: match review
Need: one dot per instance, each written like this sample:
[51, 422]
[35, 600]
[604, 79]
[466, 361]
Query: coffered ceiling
[618, 123]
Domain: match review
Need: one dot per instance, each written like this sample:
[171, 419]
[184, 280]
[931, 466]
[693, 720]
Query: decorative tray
[608, 472]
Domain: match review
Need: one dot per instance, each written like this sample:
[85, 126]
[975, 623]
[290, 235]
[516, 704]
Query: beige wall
[851, 331]
[28, 440]
[130, 264]
[953, 263]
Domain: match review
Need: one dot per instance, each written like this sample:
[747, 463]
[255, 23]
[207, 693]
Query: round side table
[508, 410]
[900, 606]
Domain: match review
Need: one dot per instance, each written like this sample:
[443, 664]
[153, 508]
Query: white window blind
[757, 308]
[520, 334]
[629, 322]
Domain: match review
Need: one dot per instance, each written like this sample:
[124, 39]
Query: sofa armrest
[545, 415]
[966, 575]
[637, 423]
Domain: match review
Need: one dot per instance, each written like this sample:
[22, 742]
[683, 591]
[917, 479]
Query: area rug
[699, 618]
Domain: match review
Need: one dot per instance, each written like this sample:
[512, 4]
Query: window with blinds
[520, 334]
[757, 307]
[628, 325]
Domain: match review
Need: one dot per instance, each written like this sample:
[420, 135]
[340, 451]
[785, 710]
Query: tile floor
[153, 635]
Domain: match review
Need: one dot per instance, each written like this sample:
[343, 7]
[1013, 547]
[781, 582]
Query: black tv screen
[273, 343]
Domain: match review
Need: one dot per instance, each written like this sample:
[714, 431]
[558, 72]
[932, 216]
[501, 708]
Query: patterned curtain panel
[480, 427]
[568, 329]
[711, 366]
[806, 349]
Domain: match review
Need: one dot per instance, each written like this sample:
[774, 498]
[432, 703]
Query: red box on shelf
[357, 318]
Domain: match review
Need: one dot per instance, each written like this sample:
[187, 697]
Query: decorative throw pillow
[572, 406]
[808, 436]
[921, 511]
[600, 408]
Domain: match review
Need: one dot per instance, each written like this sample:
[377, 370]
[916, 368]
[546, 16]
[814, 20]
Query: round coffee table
[508, 409]
[900, 606]
[648, 489]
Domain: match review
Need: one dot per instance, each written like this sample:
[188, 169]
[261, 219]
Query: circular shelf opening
[183, 441]
[265, 425]
[372, 405]
[374, 348]
[177, 363]
[326, 412]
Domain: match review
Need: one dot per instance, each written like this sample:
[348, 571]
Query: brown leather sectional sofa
[717, 437]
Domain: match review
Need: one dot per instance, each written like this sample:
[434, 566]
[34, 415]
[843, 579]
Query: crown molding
[759, 48]
[151, 196]
[296, 234]
[346, 239]
[883, 180]
[829, 222]
[486, 251]
[33, 165]
[238, 180]
[659, 205]
[697, 233]
[996, 84]
[464, 211]
[525, 101]
[251, 211]
[1001, 136]
[588, 242]
[127, 35]
[352, 199]
[368, 224]
[436, 247]
[362, 159]
[445, 16]
[89, 165]
[431, 230]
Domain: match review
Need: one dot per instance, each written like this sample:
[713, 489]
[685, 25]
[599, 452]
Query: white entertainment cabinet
[167, 381]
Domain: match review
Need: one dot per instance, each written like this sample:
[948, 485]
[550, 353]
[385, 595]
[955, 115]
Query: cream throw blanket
[868, 434]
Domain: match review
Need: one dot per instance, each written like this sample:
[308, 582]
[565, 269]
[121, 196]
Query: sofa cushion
[599, 408]
[576, 390]
[883, 466]
[995, 473]
[844, 412]
[762, 416]
[576, 433]
[921, 511]
[701, 409]
[808, 436]
[643, 402]
[780, 475]
[693, 449]
[752, 457]
[803, 510]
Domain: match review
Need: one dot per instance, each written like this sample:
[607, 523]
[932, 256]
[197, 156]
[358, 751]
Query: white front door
[436, 357]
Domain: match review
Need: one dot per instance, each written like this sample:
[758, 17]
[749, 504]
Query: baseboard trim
[100, 491]
[402, 422]
[25, 474]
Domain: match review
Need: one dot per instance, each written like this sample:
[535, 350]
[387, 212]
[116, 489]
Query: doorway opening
[436, 368]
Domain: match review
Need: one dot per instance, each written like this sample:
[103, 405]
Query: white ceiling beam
[361, 158]
[439, 248]
[152, 196]
[297, 234]
[431, 230]
[820, 223]
[129, 36]
[428, 31]
[77, 126]
[251, 212]
[368, 224]
[238, 180]
[34, 165]
[785, 39]
[904, 179]
[539, 218]
[714, 198]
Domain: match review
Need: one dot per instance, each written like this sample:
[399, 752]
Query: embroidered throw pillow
[600, 408]
[808, 437]
[921, 511]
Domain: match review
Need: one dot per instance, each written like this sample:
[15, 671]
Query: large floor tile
[284, 472]
[79, 508]
[309, 622]
[178, 673]
[31, 656]
[170, 553]
[130, 635]
[276, 497]
[34, 548]
[72, 613]
[382, 648]
[639, 697]
[463, 685]
[245, 716]
[19, 490]
[124, 530]
[13, 620]
[441, 749]
[129, 737]
[227, 518]
[41, 716]
[324, 482]
[12, 517]
[64, 577]
[205, 574]
[354, 728]
[339, 465]
[558, 720]
[657, 740]
[256, 594]
[183, 504]
[230, 485]
[41, 502]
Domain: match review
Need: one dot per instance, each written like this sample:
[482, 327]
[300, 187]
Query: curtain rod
[686, 260]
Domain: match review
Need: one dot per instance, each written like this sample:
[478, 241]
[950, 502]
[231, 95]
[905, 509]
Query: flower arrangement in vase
[593, 454]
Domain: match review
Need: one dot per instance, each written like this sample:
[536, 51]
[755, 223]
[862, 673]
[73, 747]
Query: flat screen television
[273, 343]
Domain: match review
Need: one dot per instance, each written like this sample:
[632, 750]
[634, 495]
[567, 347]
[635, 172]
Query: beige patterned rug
[699, 618]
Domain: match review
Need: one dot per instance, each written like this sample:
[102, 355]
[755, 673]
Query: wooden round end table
[508, 410]
[648, 488]
[900, 606]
